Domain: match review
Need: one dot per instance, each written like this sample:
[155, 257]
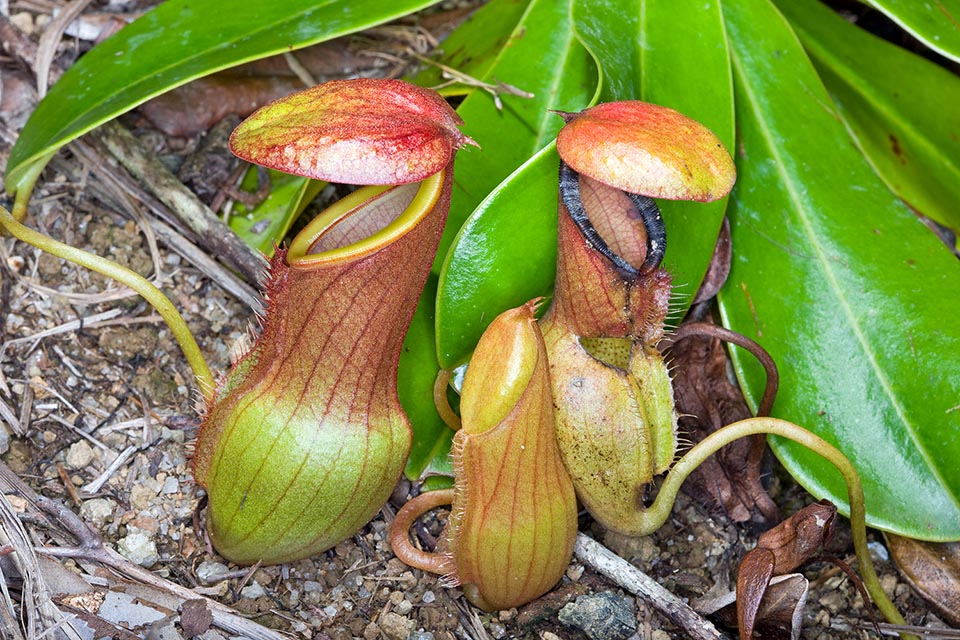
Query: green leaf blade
[505, 255]
[176, 42]
[846, 289]
[900, 107]
[265, 226]
[430, 449]
[936, 24]
[564, 78]
[473, 47]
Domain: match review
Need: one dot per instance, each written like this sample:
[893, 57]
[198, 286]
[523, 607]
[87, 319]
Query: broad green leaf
[936, 24]
[174, 43]
[563, 78]
[264, 226]
[474, 46]
[505, 254]
[429, 452]
[901, 108]
[471, 295]
[846, 288]
[673, 54]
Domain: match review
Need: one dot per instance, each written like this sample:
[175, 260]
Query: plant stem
[134, 280]
[433, 562]
[660, 509]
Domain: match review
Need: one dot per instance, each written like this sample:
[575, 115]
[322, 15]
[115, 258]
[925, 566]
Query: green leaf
[846, 288]
[430, 450]
[499, 260]
[264, 226]
[176, 42]
[936, 24]
[899, 106]
[673, 54]
[474, 46]
[563, 78]
[497, 264]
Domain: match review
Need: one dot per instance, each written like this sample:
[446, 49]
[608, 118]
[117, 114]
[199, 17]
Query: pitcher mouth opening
[630, 262]
[364, 222]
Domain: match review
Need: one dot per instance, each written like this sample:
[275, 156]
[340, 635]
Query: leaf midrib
[831, 278]
[542, 128]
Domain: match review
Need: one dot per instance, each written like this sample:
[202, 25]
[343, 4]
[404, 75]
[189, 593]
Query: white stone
[170, 485]
[253, 591]
[122, 608]
[97, 510]
[138, 547]
[208, 570]
[79, 455]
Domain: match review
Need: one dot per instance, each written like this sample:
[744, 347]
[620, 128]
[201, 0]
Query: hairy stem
[400, 533]
[125, 276]
[662, 505]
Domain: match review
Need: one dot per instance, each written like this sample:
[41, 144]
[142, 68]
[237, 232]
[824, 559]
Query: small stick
[68, 485]
[602, 560]
[169, 190]
[95, 485]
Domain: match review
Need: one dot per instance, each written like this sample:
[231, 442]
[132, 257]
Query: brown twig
[218, 238]
[714, 331]
[600, 559]
[89, 546]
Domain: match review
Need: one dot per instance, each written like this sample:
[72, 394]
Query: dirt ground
[102, 412]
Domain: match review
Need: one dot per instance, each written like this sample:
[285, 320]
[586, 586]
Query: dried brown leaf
[706, 400]
[933, 569]
[780, 613]
[799, 537]
[195, 618]
[754, 575]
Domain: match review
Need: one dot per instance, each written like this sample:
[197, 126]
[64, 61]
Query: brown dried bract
[706, 400]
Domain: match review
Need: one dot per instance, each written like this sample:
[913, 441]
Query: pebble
[394, 626]
[371, 631]
[170, 485]
[79, 455]
[602, 616]
[208, 569]
[253, 591]
[23, 20]
[97, 510]
[878, 552]
[404, 607]
[139, 548]
[140, 496]
[429, 597]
